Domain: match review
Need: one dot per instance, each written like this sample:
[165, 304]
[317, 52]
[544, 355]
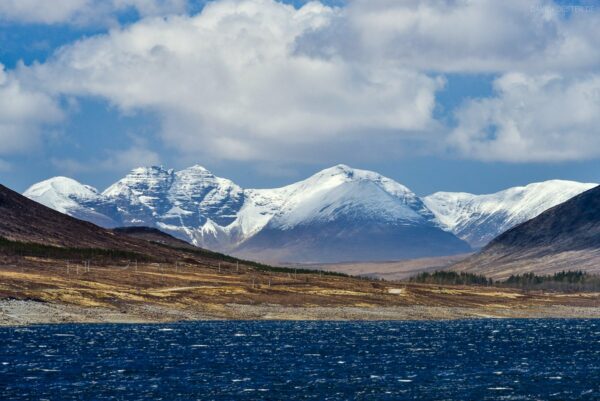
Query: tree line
[564, 281]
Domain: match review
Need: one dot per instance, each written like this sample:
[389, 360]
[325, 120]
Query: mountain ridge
[215, 213]
[478, 219]
[564, 237]
[331, 209]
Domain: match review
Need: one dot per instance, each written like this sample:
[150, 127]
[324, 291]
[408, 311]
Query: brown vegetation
[208, 290]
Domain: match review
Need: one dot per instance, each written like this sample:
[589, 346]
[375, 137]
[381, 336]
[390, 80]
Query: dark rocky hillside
[565, 237]
[24, 220]
[29, 228]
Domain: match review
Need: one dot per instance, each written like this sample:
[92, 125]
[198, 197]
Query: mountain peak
[150, 170]
[343, 173]
[195, 171]
[61, 193]
[342, 170]
[479, 218]
[61, 184]
[196, 167]
[561, 237]
[141, 180]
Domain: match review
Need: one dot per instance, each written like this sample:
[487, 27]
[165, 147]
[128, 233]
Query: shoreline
[15, 313]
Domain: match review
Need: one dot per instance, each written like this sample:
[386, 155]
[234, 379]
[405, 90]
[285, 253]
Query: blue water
[463, 360]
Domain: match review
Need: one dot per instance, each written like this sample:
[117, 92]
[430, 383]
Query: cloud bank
[458, 36]
[23, 115]
[258, 80]
[532, 118]
[230, 82]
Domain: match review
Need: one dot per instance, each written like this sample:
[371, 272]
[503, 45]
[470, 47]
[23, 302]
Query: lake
[456, 360]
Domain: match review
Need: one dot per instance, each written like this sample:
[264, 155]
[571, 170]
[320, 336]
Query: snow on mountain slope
[202, 195]
[141, 196]
[325, 194]
[259, 208]
[347, 214]
[564, 237]
[343, 191]
[70, 197]
[61, 193]
[202, 207]
[192, 203]
[480, 218]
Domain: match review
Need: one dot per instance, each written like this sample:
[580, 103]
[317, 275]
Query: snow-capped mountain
[338, 214]
[480, 218]
[71, 197]
[346, 214]
[354, 194]
[192, 204]
[565, 237]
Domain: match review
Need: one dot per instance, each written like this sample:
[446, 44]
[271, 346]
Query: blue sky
[266, 95]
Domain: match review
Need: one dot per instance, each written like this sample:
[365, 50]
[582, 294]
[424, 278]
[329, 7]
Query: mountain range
[564, 237]
[338, 214]
[478, 219]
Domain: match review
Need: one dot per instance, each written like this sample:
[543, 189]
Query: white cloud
[83, 11]
[23, 115]
[532, 118]
[464, 36]
[228, 82]
[257, 80]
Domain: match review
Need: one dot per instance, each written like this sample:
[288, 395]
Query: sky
[452, 95]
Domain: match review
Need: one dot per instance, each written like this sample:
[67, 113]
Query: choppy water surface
[464, 360]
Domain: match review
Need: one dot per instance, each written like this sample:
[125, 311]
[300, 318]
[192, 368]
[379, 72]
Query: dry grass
[193, 287]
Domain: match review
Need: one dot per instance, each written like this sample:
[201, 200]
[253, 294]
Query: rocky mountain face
[478, 219]
[565, 237]
[338, 214]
